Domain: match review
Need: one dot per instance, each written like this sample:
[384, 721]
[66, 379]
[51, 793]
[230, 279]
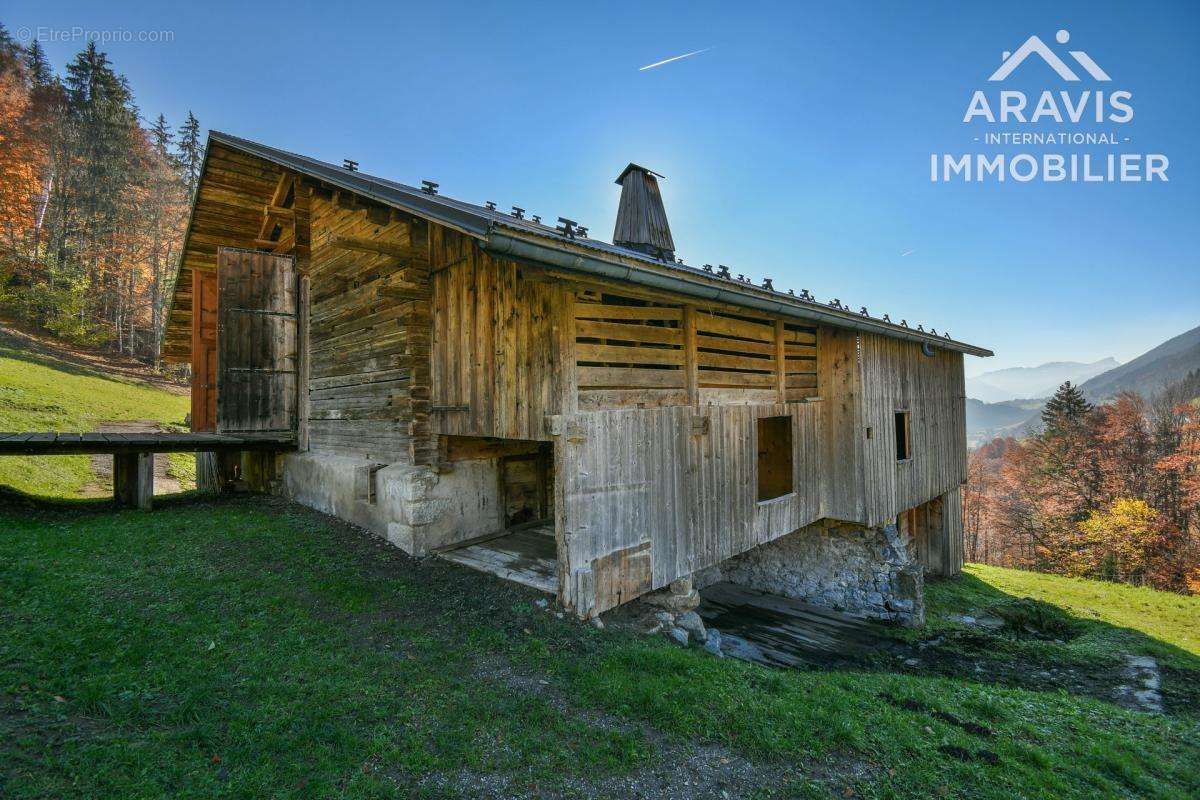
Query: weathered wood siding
[648, 495]
[897, 376]
[228, 213]
[368, 331]
[256, 342]
[936, 532]
[865, 380]
[497, 348]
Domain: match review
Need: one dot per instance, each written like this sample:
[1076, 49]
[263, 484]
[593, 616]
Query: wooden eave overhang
[519, 238]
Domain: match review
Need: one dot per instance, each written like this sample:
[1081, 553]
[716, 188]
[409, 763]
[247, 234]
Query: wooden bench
[133, 453]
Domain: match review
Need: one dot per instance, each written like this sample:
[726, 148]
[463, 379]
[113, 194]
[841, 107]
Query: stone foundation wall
[867, 571]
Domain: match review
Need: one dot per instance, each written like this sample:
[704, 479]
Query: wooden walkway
[63, 444]
[133, 453]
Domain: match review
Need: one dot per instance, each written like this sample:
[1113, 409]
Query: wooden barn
[596, 420]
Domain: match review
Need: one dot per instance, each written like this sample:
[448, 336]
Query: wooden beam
[373, 246]
[402, 293]
[281, 188]
[689, 355]
[781, 359]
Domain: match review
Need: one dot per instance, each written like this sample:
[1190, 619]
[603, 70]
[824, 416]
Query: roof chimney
[641, 218]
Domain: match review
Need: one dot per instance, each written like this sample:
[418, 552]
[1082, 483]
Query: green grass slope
[246, 647]
[1110, 615]
[42, 392]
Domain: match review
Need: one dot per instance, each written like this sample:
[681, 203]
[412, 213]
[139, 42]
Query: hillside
[1150, 372]
[241, 646]
[986, 421]
[1022, 383]
[48, 386]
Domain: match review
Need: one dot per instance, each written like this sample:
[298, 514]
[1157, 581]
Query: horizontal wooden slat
[628, 376]
[799, 336]
[629, 333]
[712, 377]
[598, 399]
[602, 311]
[629, 355]
[717, 342]
[724, 361]
[735, 327]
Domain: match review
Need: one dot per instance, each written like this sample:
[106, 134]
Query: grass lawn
[247, 647]
[42, 392]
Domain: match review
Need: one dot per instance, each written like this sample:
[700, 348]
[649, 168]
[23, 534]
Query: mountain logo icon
[1034, 45]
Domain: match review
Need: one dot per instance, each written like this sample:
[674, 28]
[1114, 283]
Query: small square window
[774, 457]
[903, 436]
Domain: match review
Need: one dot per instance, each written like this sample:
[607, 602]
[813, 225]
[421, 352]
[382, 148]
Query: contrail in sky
[673, 58]
[907, 253]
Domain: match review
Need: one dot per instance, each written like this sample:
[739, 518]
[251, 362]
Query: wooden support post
[690, 355]
[258, 470]
[781, 360]
[303, 364]
[133, 479]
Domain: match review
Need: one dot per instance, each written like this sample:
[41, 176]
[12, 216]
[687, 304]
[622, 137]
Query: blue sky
[797, 147]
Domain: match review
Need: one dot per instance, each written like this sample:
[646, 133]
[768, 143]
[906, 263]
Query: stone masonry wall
[843, 566]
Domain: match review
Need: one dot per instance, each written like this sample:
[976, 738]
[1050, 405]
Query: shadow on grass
[20, 346]
[14, 501]
[1043, 646]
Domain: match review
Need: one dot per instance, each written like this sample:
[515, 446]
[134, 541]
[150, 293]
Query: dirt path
[102, 464]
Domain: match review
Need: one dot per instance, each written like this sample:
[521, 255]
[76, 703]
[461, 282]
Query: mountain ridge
[1027, 383]
[1150, 372]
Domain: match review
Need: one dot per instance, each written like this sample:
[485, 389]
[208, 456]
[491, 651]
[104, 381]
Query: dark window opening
[774, 457]
[903, 444]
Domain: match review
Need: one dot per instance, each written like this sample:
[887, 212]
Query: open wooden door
[256, 342]
[204, 351]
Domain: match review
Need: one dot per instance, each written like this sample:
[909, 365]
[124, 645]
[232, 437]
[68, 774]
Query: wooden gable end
[228, 211]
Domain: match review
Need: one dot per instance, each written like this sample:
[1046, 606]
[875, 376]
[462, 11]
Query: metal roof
[482, 222]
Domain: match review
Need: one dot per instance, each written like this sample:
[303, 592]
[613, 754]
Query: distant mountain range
[1023, 383]
[1150, 372]
[987, 421]
[1017, 415]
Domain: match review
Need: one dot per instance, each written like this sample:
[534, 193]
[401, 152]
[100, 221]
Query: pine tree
[37, 65]
[1065, 411]
[191, 152]
[161, 137]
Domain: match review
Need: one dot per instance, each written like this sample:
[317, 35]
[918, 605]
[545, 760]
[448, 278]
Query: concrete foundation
[872, 572]
[417, 509]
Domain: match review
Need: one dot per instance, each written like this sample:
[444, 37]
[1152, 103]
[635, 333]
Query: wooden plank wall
[228, 212]
[368, 333]
[676, 483]
[897, 376]
[629, 352]
[935, 529]
[839, 375]
[632, 351]
[497, 346]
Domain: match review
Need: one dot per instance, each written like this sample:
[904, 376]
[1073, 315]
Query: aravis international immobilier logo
[1079, 136]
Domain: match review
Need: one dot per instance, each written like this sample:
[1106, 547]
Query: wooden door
[256, 342]
[204, 351]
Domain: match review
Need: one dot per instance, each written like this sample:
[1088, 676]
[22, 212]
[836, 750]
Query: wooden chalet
[596, 420]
